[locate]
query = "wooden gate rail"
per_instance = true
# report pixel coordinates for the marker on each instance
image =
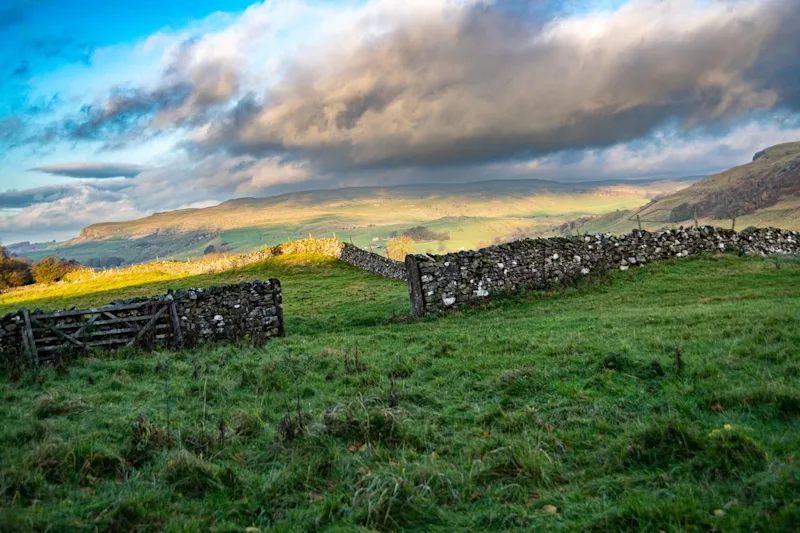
(47, 334)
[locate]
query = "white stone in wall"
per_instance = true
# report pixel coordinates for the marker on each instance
(426, 278)
(624, 267)
(585, 271)
(449, 301)
(500, 265)
(555, 256)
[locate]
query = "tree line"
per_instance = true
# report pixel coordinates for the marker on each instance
(19, 271)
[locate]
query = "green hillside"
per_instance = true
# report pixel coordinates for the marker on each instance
(627, 405)
(471, 214)
(764, 192)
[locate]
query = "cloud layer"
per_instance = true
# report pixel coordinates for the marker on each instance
(471, 85)
(92, 170)
(465, 82)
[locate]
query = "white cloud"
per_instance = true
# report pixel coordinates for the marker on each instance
(66, 216)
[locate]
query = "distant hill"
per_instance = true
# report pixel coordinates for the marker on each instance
(764, 192)
(470, 214)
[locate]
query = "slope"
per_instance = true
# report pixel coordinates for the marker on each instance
(764, 192)
(470, 213)
(551, 412)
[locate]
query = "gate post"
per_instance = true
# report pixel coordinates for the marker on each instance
(414, 287)
(29, 339)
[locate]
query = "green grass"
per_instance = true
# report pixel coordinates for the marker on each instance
(568, 399)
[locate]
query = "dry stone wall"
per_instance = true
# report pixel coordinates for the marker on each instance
(367, 261)
(229, 312)
(446, 282)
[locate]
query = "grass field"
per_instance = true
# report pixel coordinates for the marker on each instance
(662, 399)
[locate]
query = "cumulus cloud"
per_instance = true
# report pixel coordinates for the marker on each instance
(64, 214)
(92, 170)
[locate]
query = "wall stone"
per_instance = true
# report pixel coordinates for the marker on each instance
(228, 312)
(446, 282)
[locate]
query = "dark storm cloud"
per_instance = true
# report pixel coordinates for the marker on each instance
(92, 170)
(485, 86)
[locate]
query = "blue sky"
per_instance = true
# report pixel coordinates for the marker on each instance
(113, 110)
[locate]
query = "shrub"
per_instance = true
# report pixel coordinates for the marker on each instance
(52, 269)
(399, 247)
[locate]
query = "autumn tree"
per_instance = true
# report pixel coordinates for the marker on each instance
(51, 269)
(13, 272)
(399, 247)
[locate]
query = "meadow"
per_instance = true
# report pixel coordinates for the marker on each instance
(663, 398)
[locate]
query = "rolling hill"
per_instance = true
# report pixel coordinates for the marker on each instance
(471, 214)
(764, 192)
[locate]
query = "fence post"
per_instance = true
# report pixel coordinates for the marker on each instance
(639, 222)
(733, 225)
(414, 287)
(696, 225)
(30, 340)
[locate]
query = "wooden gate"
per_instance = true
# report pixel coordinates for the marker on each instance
(48, 336)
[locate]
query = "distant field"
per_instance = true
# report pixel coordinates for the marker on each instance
(471, 214)
(562, 411)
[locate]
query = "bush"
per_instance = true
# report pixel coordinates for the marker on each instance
(52, 269)
(13, 272)
(399, 247)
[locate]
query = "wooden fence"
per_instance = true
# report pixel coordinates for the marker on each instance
(47, 336)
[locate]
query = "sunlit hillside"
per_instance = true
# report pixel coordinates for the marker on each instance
(471, 215)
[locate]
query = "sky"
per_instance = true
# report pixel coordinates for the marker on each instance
(114, 110)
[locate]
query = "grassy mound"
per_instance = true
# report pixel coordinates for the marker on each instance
(661, 399)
